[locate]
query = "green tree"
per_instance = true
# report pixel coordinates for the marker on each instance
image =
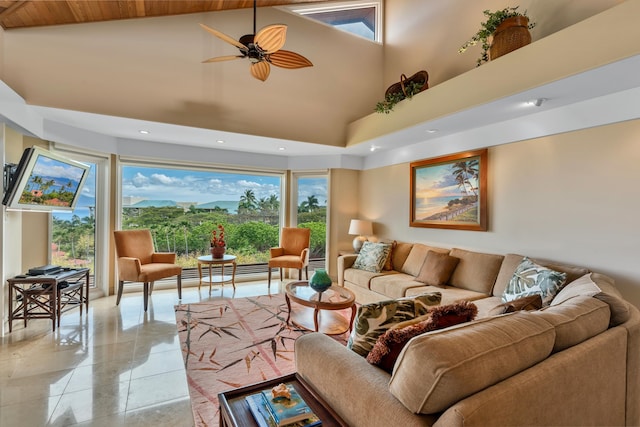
(248, 202)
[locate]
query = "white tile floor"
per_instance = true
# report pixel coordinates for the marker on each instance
(116, 366)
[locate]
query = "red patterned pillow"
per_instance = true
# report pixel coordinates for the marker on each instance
(389, 345)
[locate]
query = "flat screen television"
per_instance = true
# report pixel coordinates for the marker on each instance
(45, 181)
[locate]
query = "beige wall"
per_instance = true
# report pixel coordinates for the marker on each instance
(570, 198)
(430, 40)
(343, 206)
(151, 69)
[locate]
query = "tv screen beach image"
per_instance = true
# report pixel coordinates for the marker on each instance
(52, 182)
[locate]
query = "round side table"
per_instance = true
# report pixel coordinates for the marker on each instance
(220, 279)
(319, 312)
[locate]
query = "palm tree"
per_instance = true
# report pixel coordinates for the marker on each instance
(309, 205)
(464, 172)
(248, 202)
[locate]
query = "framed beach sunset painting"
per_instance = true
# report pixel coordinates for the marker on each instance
(450, 192)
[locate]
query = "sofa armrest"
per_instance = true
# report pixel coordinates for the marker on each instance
(344, 262)
(352, 386)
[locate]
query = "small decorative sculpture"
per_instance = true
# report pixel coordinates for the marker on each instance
(282, 391)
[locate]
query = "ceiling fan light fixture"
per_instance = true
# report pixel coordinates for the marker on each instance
(262, 48)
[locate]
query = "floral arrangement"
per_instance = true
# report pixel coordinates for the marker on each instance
(217, 237)
(494, 19)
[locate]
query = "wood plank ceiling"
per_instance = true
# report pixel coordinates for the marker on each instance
(32, 13)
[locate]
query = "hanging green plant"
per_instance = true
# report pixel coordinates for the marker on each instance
(487, 28)
(403, 90)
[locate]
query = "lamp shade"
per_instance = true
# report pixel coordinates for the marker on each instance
(359, 227)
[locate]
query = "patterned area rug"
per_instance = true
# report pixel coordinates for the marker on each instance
(231, 343)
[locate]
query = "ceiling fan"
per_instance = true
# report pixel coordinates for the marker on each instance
(262, 48)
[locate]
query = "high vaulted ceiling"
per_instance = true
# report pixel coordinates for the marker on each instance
(19, 14)
(98, 85)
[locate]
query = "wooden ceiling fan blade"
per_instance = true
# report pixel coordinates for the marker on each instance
(271, 38)
(222, 58)
(260, 70)
(288, 59)
(224, 37)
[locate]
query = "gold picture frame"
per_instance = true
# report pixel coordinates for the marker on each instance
(450, 192)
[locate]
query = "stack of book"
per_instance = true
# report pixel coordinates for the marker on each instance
(281, 412)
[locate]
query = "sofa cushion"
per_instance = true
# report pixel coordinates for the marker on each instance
(362, 278)
(372, 256)
(450, 294)
(388, 264)
(395, 285)
(437, 268)
(400, 255)
(416, 257)
(530, 279)
(373, 320)
(476, 271)
(528, 303)
(388, 346)
(439, 368)
(511, 262)
(601, 287)
(576, 320)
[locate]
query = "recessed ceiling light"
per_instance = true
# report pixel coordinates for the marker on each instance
(220, 141)
(432, 130)
(281, 148)
(144, 132)
(537, 102)
(373, 148)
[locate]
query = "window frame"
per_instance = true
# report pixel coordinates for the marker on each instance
(306, 9)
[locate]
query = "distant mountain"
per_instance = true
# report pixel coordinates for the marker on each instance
(153, 203)
(230, 205)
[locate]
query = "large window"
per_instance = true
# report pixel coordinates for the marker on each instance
(80, 238)
(311, 201)
(182, 206)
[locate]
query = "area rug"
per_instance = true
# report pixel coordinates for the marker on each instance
(230, 343)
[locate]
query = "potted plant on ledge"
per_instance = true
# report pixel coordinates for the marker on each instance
(405, 89)
(509, 30)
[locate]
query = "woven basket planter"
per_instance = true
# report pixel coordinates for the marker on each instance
(511, 34)
(421, 77)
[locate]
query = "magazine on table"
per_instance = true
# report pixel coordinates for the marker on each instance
(281, 412)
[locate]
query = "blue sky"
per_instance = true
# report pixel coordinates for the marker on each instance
(203, 186)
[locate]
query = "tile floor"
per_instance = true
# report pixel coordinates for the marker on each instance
(116, 366)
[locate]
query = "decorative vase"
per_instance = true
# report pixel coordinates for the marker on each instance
(217, 251)
(511, 34)
(320, 281)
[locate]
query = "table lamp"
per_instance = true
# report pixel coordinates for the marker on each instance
(361, 229)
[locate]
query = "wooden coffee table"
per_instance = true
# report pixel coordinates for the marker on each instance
(234, 410)
(319, 311)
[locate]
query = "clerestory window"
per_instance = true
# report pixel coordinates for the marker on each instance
(361, 18)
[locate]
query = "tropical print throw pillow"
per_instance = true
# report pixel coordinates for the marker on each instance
(531, 279)
(372, 256)
(373, 320)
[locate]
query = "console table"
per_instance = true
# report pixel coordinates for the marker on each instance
(47, 296)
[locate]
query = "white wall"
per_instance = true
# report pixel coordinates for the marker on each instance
(571, 198)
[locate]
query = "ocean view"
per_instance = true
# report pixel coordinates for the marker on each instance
(429, 206)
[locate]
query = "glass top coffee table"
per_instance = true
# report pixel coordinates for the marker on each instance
(320, 311)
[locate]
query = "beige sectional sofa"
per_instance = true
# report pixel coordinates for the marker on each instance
(574, 362)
